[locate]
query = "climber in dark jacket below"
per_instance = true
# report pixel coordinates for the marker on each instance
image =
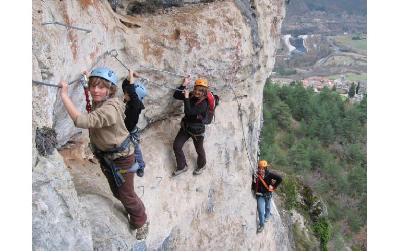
(192, 126)
(134, 93)
(262, 186)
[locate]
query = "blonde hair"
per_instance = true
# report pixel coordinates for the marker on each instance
(95, 81)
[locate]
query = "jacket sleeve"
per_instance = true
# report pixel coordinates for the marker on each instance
(276, 177)
(191, 110)
(253, 185)
(178, 94)
(102, 117)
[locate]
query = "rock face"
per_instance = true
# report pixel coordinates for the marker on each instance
(59, 220)
(233, 45)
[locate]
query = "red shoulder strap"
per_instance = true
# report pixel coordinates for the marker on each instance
(262, 181)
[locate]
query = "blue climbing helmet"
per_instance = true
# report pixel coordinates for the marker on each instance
(140, 91)
(105, 73)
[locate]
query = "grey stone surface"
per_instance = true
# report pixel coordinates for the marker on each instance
(58, 219)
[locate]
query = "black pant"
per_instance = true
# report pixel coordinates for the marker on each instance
(180, 140)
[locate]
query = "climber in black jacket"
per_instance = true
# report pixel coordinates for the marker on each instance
(192, 126)
(134, 93)
(264, 183)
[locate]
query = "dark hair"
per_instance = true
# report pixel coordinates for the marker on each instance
(95, 81)
(125, 86)
(202, 89)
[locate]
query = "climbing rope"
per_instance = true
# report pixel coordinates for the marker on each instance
(67, 26)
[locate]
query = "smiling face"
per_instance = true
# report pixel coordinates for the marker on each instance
(100, 89)
(99, 92)
(199, 91)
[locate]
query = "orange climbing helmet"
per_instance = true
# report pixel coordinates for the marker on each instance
(263, 164)
(201, 82)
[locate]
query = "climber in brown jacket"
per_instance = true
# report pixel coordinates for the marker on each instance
(110, 141)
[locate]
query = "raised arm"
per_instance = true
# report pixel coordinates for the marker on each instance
(68, 104)
(179, 94)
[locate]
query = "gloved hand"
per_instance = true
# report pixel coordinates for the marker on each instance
(271, 188)
(140, 172)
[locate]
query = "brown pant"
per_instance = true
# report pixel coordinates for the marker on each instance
(126, 193)
(180, 140)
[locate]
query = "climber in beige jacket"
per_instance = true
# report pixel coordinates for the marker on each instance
(110, 141)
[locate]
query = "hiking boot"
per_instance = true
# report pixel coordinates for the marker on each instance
(140, 172)
(260, 229)
(198, 171)
(141, 233)
(177, 172)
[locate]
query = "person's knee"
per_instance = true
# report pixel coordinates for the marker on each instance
(177, 146)
(126, 198)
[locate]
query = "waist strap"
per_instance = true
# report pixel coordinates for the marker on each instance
(185, 126)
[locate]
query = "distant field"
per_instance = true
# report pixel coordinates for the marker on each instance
(351, 76)
(347, 41)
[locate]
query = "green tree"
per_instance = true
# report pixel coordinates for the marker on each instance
(358, 87)
(289, 188)
(358, 180)
(323, 230)
(327, 134)
(351, 126)
(288, 140)
(356, 155)
(298, 101)
(352, 90)
(281, 114)
(298, 157)
(362, 108)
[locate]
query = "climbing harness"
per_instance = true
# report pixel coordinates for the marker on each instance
(109, 164)
(67, 26)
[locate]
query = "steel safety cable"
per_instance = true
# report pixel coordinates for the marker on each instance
(236, 63)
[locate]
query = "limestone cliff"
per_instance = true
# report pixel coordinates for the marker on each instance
(232, 44)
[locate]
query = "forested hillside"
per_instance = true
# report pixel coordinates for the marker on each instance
(319, 141)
